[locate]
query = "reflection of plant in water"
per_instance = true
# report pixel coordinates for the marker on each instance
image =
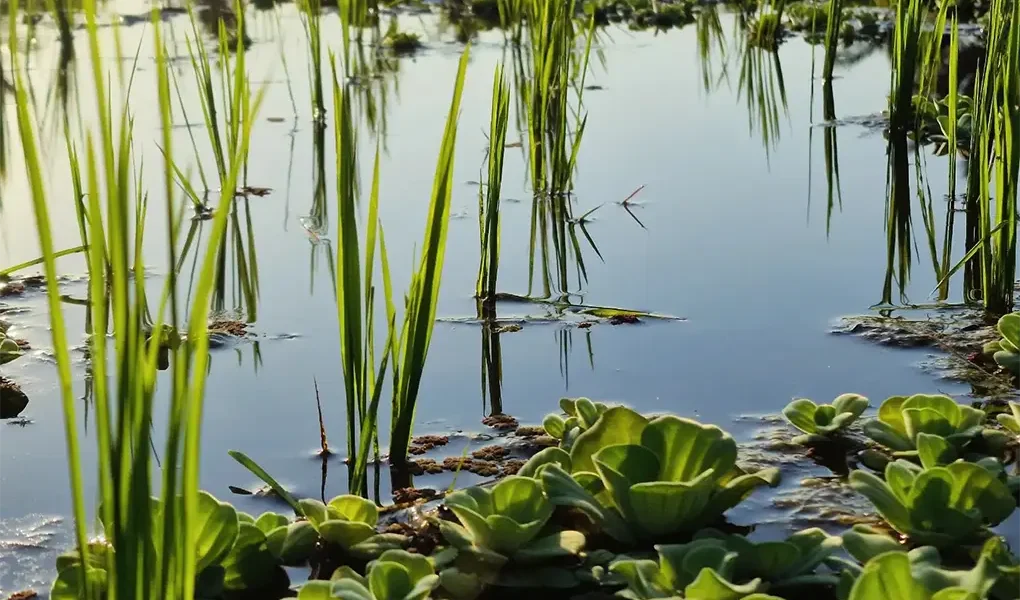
(317, 222)
(220, 17)
(401, 42)
(310, 16)
(761, 84)
(555, 246)
(545, 72)
(898, 223)
(492, 359)
(375, 73)
(766, 29)
(236, 276)
(834, 192)
(711, 43)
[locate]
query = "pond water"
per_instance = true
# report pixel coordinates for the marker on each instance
(734, 237)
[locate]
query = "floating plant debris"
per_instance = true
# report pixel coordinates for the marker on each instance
(484, 468)
(491, 453)
(254, 191)
(410, 495)
(423, 443)
(527, 431)
(422, 466)
(500, 421)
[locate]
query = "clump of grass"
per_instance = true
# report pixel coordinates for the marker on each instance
(410, 348)
(406, 346)
(355, 293)
(834, 22)
(555, 72)
(488, 196)
(993, 176)
(124, 375)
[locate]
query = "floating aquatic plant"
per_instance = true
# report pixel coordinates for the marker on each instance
(581, 413)
(821, 422)
(641, 479)
(924, 574)
(901, 419)
(782, 563)
(1006, 351)
(503, 523)
(1011, 421)
(349, 522)
(701, 569)
(232, 551)
(396, 575)
(938, 505)
(500, 540)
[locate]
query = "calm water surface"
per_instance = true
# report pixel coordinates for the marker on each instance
(736, 243)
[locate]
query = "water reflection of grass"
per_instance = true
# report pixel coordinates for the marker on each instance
(830, 133)
(763, 88)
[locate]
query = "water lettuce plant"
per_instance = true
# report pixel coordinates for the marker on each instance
(1006, 351)
(994, 575)
(820, 422)
(1011, 421)
(1007, 568)
(349, 521)
(901, 419)
(938, 506)
(889, 576)
(581, 413)
(702, 569)
(396, 575)
(780, 563)
(289, 542)
(640, 479)
(503, 523)
(232, 551)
